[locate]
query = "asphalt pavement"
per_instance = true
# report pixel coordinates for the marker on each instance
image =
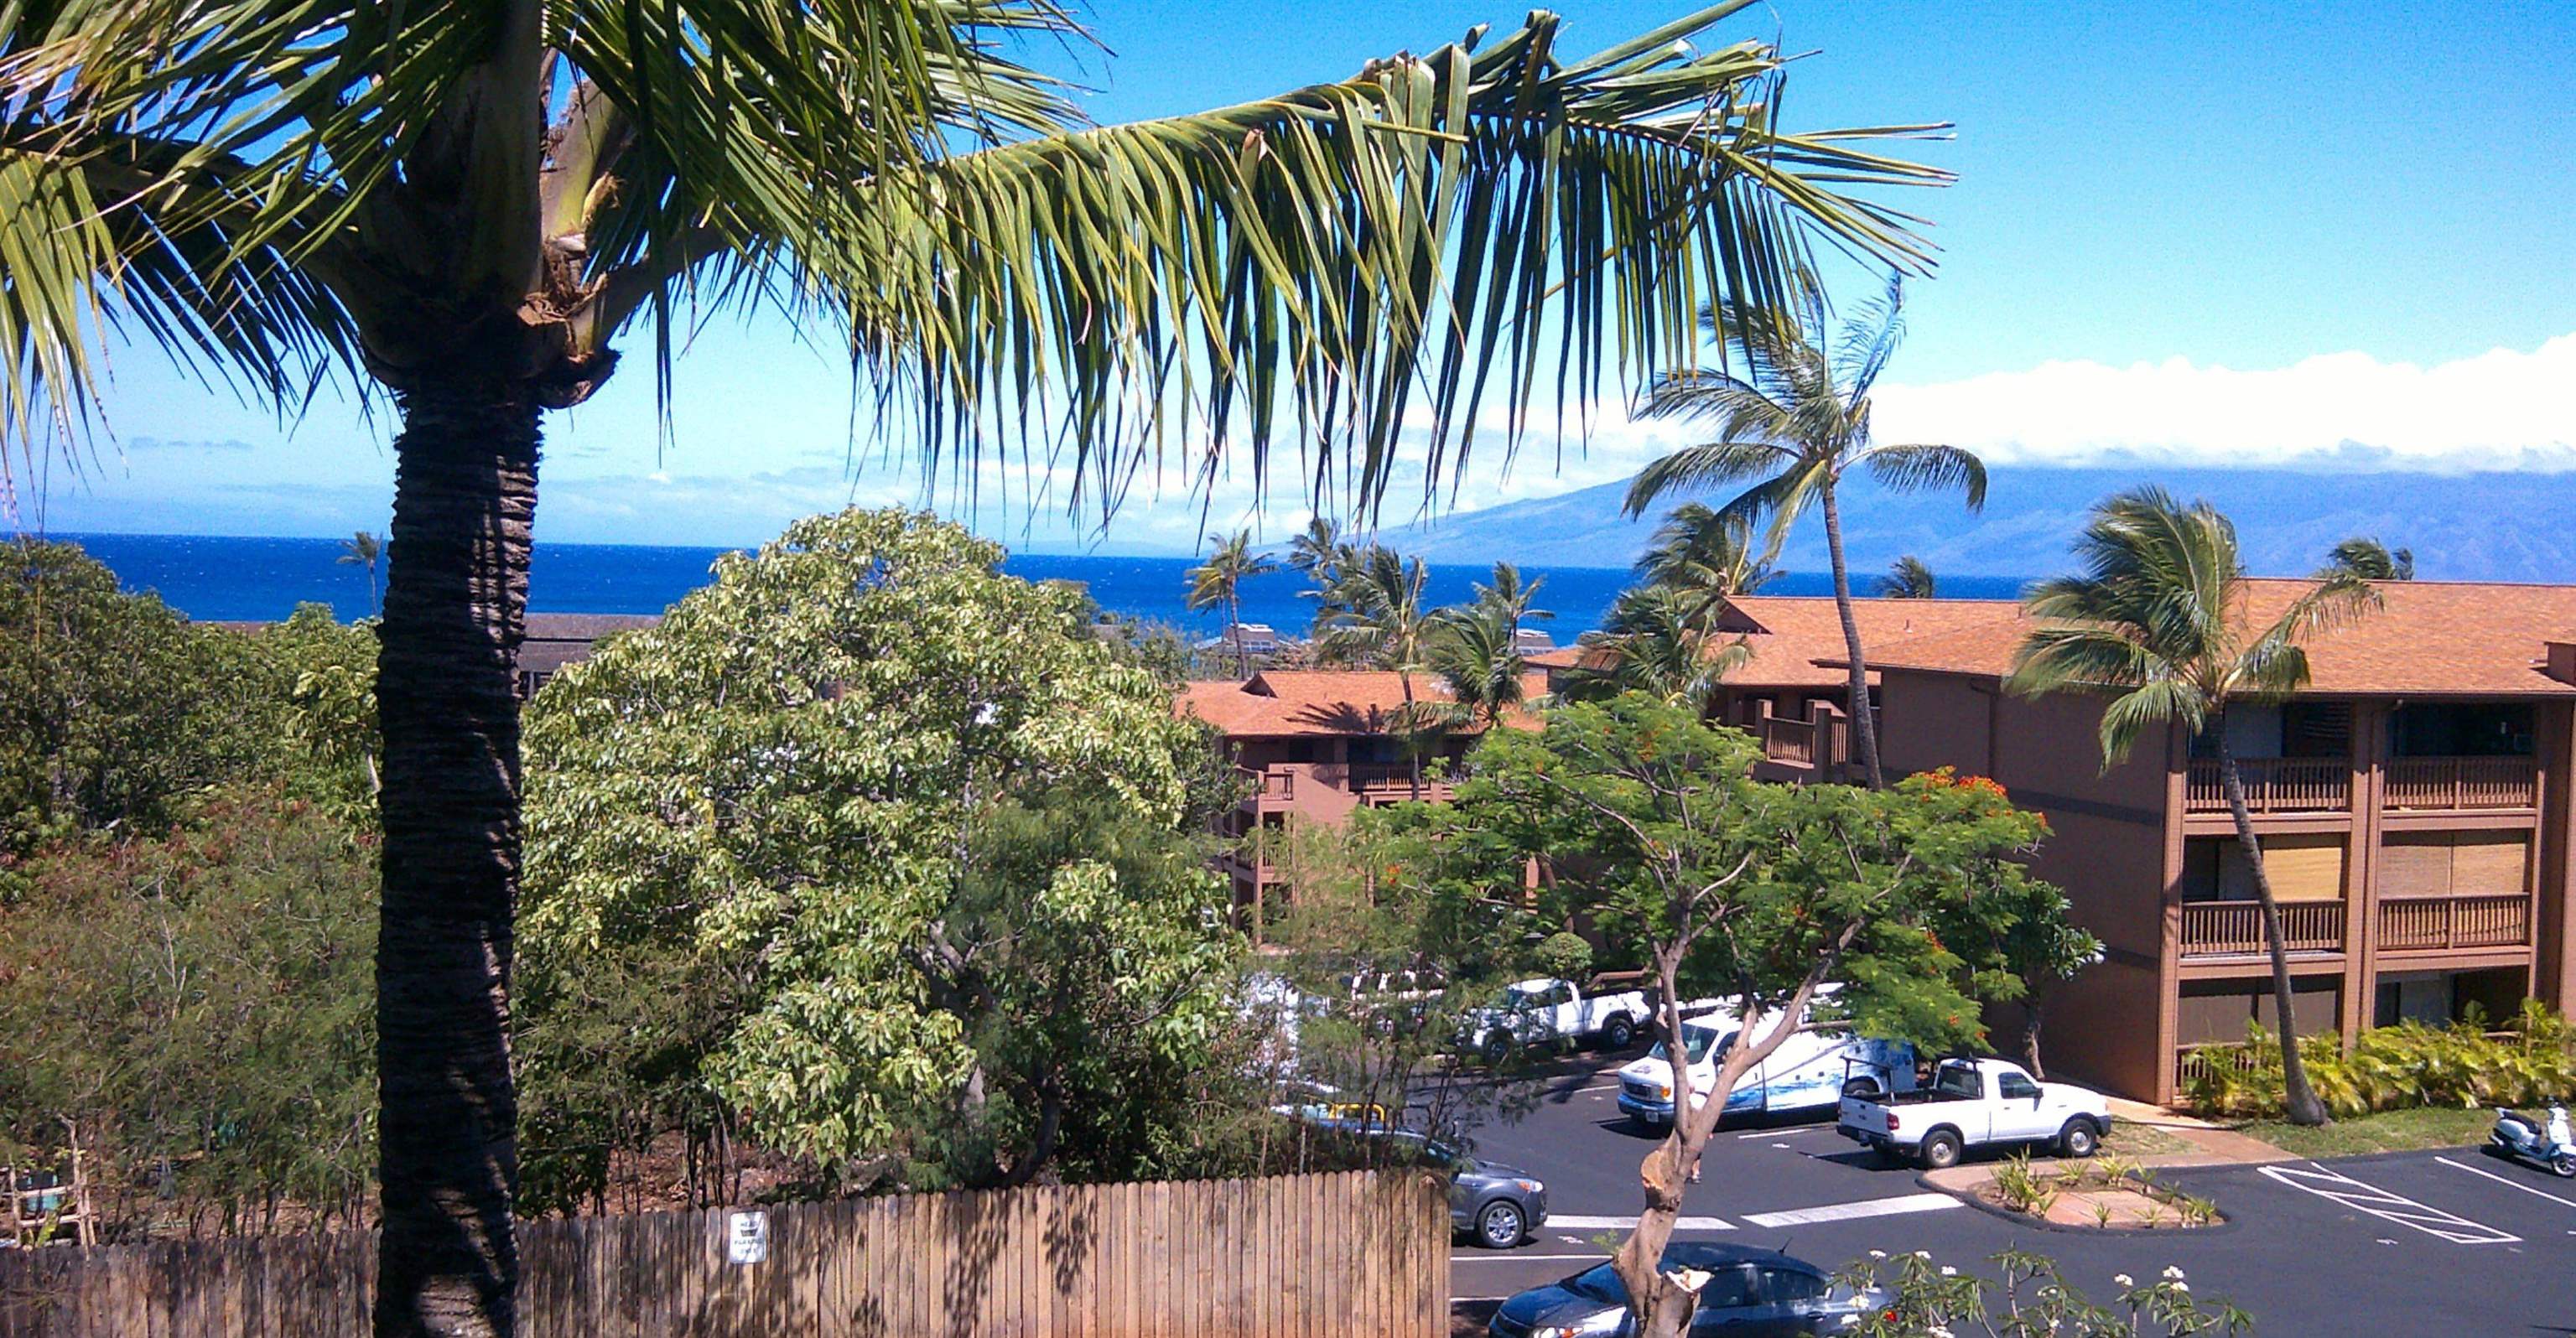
(2409, 1245)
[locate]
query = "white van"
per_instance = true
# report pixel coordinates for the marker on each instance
(1808, 1072)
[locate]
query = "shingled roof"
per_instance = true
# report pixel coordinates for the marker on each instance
(1797, 640)
(1298, 703)
(2429, 639)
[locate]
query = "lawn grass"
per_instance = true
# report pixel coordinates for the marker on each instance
(2387, 1131)
(2131, 1140)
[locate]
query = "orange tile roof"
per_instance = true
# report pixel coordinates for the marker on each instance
(1290, 703)
(1797, 640)
(2429, 638)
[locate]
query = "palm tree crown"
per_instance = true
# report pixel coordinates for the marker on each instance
(1907, 578)
(1218, 584)
(2163, 619)
(2370, 560)
(1791, 426)
(1700, 551)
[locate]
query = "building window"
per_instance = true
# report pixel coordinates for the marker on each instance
(2216, 1011)
(2305, 866)
(2463, 729)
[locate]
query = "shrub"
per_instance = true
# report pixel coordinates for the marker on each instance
(2031, 1296)
(1563, 955)
(2404, 1066)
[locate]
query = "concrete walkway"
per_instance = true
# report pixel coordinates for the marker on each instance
(2211, 1144)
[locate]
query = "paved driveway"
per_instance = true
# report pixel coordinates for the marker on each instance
(2407, 1245)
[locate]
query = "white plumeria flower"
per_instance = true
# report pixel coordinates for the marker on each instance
(2173, 1272)
(1878, 1254)
(2123, 1280)
(1940, 1331)
(2182, 1286)
(1949, 1272)
(1922, 1254)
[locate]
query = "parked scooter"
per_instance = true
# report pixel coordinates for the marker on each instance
(2518, 1135)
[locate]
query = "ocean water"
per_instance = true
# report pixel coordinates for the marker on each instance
(214, 578)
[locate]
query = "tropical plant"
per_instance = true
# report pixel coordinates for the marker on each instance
(1218, 583)
(1703, 552)
(1512, 597)
(2029, 1297)
(1379, 618)
(363, 550)
(1907, 578)
(467, 205)
(934, 839)
(2400, 1067)
(1661, 841)
(1475, 651)
(2163, 617)
(2370, 560)
(1797, 419)
(1657, 639)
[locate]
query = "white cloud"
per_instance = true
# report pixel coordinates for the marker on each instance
(2504, 409)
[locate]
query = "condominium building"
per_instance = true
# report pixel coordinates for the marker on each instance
(2413, 804)
(1315, 744)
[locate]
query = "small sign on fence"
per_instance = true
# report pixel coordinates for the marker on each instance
(747, 1238)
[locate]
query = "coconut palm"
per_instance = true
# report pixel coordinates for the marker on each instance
(1797, 419)
(1321, 554)
(465, 205)
(1475, 649)
(1511, 596)
(2162, 617)
(1907, 578)
(2370, 560)
(363, 550)
(1699, 551)
(1218, 583)
(1378, 617)
(1657, 639)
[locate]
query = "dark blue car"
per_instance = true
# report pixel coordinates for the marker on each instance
(1750, 1294)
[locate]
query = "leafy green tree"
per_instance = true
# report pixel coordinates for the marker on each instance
(1797, 421)
(1657, 835)
(1218, 584)
(1907, 578)
(932, 838)
(193, 1007)
(108, 713)
(467, 205)
(2162, 624)
(2368, 559)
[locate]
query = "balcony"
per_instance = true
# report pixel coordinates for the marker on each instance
(2462, 783)
(1331, 788)
(2273, 785)
(2440, 924)
(2235, 928)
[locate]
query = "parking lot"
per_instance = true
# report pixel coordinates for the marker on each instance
(2412, 1244)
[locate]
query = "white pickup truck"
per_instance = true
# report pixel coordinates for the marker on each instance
(1551, 1012)
(1973, 1103)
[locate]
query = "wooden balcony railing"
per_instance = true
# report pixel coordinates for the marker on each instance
(2193, 1060)
(2273, 785)
(2483, 920)
(1788, 740)
(2462, 783)
(2235, 928)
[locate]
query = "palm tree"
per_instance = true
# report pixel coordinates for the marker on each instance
(1475, 649)
(1658, 640)
(2162, 616)
(1218, 583)
(1510, 598)
(1699, 551)
(363, 550)
(464, 206)
(2370, 560)
(1321, 554)
(1797, 419)
(1907, 578)
(1379, 617)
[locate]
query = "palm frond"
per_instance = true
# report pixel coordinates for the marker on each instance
(1703, 466)
(1929, 469)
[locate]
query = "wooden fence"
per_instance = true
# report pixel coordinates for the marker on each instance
(1351, 1253)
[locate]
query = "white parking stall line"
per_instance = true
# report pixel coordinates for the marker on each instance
(2336, 1187)
(1581, 1223)
(1926, 1202)
(2509, 1184)
(1508, 1257)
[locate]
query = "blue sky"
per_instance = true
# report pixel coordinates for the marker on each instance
(2212, 232)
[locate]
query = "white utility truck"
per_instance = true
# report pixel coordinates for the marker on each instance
(1974, 1103)
(1546, 1012)
(1811, 1070)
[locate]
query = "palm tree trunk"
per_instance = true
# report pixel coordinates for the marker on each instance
(1864, 723)
(464, 494)
(1412, 733)
(2298, 1099)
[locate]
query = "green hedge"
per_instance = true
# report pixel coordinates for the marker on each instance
(2395, 1068)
